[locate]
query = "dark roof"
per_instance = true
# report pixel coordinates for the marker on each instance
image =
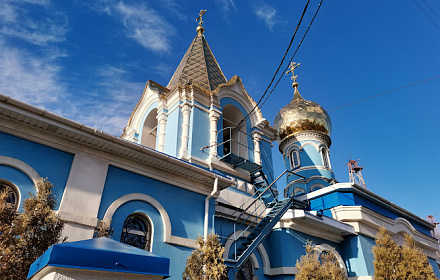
(102, 254)
(198, 66)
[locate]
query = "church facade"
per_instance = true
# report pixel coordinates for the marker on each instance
(196, 158)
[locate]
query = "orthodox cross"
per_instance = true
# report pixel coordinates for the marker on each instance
(202, 12)
(293, 66)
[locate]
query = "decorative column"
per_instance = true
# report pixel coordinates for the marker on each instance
(213, 119)
(162, 125)
(186, 112)
(257, 153)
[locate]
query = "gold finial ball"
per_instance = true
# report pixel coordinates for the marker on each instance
(200, 29)
(301, 115)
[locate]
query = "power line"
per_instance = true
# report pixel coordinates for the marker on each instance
(429, 6)
(299, 45)
(279, 66)
(426, 14)
(383, 93)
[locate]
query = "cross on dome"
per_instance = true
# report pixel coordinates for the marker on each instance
(293, 66)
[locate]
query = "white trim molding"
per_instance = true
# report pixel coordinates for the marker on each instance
(168, 238)
(22, 166)
(368, 222)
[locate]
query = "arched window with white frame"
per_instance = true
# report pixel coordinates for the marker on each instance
(136, 231)
(294, 159)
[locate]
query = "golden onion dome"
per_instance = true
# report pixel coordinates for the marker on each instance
(301, 115)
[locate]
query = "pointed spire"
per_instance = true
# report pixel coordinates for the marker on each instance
(198, 65)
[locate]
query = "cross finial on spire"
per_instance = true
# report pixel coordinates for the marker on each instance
(200, 29)
(202, 12)
(293, 66)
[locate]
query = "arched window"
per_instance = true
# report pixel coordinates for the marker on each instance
(235, 140)
(325, 158)
(316, 187)
(137, 232)
(13, 196)
(246, 271)
(149, 130)
(294, 159)
(298, 191)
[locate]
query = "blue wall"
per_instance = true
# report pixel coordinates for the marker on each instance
(173, 133)
(356, 251)
(185, 210)
(199, 134)
(186, 218)
(49, 163)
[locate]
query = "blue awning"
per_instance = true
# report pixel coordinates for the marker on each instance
(102, 254)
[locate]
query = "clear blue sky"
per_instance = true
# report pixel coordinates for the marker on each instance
(89, 62)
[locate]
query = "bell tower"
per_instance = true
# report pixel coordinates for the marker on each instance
(303, 133)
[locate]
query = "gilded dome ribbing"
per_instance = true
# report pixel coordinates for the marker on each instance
(301, 115)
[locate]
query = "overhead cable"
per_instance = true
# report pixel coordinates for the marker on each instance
(299, 45)
(383, 93)
(278, 69)
(426, 15)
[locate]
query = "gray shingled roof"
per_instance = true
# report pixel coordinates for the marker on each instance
(199, 66)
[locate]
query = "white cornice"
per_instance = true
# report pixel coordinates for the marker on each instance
(369, 195)
(319, 226)
(368, 222)
(32, 123)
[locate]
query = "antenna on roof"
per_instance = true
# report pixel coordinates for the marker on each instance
(355, 173)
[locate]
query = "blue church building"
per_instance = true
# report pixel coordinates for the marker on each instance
(196, 158)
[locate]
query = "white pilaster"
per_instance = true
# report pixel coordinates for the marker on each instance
(257, 152)
(162, 123)
(186, 111)
(82, 196)
(213, 119)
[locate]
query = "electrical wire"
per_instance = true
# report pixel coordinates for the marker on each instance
(432, 10)
(426, 15)
(278, 69)
(383, 93)
(299, 45)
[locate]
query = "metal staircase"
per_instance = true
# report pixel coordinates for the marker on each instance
(255, 219)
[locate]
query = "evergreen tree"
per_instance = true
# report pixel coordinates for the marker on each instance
(28, 234)
(206, 262)
(313, 266)
(386, 256)
(392, 261)
(414, 264)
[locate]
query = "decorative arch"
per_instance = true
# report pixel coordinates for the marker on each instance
(253, 257)
(148, 199)
(235, 141)
(235, 90)
(148, 129)
(22, 166)
(327, 248)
